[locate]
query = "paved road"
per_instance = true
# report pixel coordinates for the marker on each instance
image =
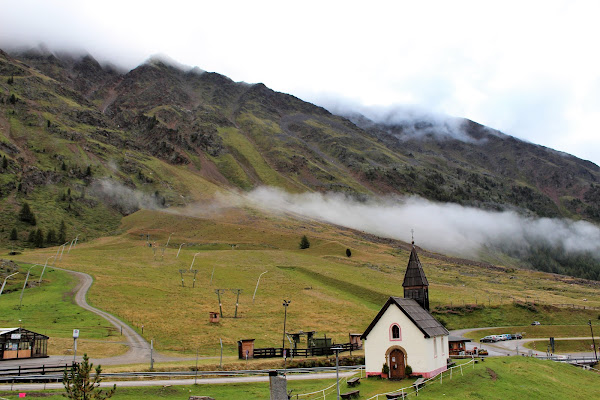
(201, 381)
(509, 347)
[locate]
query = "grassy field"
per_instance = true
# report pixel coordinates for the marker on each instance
(566, 346)
(496, 378)
(329, 292)
(48, 309)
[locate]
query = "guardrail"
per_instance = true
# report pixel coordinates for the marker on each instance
(176, 374)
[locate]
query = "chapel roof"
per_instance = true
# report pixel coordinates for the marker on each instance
(422, 319)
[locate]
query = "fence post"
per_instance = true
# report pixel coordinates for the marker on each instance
(451, 372)
(441, 376)
(461, 373)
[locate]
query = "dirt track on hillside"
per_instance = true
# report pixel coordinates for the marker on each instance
(139, 348)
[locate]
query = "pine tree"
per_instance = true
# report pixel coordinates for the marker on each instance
(4, 162)
(38, 238)
(62, 232)
(51, 237)
(26, 215)
(31, 237)
(79, 385)
(304, 243)
(14, 235)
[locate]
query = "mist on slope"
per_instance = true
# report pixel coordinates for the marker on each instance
(416, 122)
(446, 228)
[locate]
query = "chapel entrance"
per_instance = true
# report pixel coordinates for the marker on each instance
(396, 363)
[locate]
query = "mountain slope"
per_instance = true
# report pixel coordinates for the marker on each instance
(92, 138)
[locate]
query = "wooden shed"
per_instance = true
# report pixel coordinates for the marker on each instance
(22, 343)
(245, 348)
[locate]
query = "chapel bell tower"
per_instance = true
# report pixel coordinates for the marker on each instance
(415, 283)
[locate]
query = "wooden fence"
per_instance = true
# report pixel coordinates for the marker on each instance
(274, 352)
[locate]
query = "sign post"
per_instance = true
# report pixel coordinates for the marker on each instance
(75, 336)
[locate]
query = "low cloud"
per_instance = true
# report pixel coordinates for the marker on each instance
(416, 123)
(123, 198)
(445, 228)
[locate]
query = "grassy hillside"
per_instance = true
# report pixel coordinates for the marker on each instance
(330, 293)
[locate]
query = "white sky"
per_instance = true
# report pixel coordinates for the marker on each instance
(528, 68)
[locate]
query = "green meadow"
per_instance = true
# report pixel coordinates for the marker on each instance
(229, 248)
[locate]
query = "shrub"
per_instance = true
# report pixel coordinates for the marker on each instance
(408, 370)
(348, 253)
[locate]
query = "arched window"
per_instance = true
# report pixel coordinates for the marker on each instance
(395, 333)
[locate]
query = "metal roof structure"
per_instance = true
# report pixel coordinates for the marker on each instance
(423, 320)
(415, 276)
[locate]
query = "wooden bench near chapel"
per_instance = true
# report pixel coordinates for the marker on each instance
(353, 382)
(350, 395)
(419, 383)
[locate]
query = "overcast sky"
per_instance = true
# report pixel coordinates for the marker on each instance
(528, 68)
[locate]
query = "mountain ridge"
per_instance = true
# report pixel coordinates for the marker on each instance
(246, 135)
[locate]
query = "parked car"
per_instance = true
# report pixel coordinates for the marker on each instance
(535, 323)
(517, 336)
(506, 336)
(490, 338)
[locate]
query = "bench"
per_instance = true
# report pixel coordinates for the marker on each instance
(350, 395)
(419, 383)
(353, 382)
(396, 395)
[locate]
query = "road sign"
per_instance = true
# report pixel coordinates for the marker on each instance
(75, 333)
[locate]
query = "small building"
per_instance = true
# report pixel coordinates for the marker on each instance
(355, 341)
(213, 317)
(22, 343)
(405, 333)
(245, 349)
(457, 345)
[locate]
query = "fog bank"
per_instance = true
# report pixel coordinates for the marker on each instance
(446, 228)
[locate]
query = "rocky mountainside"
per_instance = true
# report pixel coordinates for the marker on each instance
(69, 125)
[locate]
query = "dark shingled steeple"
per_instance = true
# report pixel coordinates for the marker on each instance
(415, 283)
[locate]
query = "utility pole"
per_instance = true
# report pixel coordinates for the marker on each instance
(237, 300)
(218, 292)
(286, 303)
(593, 341)
(337, 369)
(151, 354)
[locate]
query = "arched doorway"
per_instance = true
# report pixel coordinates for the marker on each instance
(397, 363)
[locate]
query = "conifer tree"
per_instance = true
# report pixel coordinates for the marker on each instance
(79, 385)
(51, 236)
(62, 232)
(304, 243)
(26, 215)
(14, 235)
(39, 238)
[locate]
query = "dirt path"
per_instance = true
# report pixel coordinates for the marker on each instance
(139, 348)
